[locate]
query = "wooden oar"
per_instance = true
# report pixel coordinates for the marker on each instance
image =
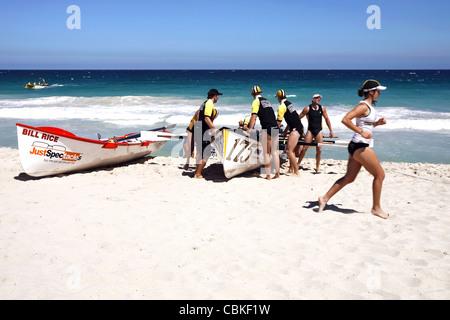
(301, 142)
(330, 143)
(161, 136)
(326, 143)
(137, 135)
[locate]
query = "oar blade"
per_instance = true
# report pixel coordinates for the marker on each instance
(160, 136)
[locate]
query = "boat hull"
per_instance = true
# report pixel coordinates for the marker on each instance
(36, 86)
(238, 153)
(48, 151)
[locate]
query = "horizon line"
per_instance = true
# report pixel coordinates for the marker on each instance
(225, 69)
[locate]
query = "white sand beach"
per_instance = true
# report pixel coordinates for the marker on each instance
(148, 230)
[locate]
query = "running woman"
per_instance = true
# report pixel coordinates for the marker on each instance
(360, 155)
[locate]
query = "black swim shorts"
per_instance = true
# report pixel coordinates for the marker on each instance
(299, 129)
(353, 146)
(315, 131)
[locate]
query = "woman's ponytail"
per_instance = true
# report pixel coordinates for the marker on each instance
(360, 92)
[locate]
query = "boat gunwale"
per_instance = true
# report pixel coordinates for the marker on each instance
(75, 137)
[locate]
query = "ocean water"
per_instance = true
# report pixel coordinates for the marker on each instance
(116, 102)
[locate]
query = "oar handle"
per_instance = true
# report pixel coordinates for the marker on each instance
(137, 135)
(325, 143)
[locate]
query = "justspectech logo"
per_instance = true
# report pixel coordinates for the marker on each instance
(54, 152)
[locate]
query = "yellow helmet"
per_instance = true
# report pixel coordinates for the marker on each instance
(215, 114)
(281, 94)
(256, 90)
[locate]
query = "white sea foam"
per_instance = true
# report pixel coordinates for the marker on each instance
(398, 118)
(142, 110)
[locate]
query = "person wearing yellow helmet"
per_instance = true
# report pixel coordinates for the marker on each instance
(243, 124)
(262, 109)
(287, 111)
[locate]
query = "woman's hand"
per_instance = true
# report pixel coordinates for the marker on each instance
(380, 122)
(366, 135)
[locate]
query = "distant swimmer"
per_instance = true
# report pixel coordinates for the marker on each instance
(314, 113)
(360, 155)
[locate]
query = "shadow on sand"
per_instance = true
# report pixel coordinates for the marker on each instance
(214, 172)
(25, 177)
(328, 207)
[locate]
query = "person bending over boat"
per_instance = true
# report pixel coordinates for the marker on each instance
(202, 135)
(243, 124)
(294, 126)
(360, 155)
(314, 113)
(262, 108)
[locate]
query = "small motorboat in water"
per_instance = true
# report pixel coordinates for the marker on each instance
(38, 85)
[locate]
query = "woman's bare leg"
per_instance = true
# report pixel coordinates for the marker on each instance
(308, 139)
(353, 168)
(369, 160)
(275, 155)
(292, 142)
(318, 139)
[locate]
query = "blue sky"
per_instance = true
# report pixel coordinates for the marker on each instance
(197, 34)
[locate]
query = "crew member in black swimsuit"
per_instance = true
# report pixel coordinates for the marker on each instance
(314, 112)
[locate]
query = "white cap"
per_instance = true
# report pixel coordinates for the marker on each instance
(316, 96)
(370, 85)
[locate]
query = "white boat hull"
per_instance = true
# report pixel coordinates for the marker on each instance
(48, 151)
(237, 152)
